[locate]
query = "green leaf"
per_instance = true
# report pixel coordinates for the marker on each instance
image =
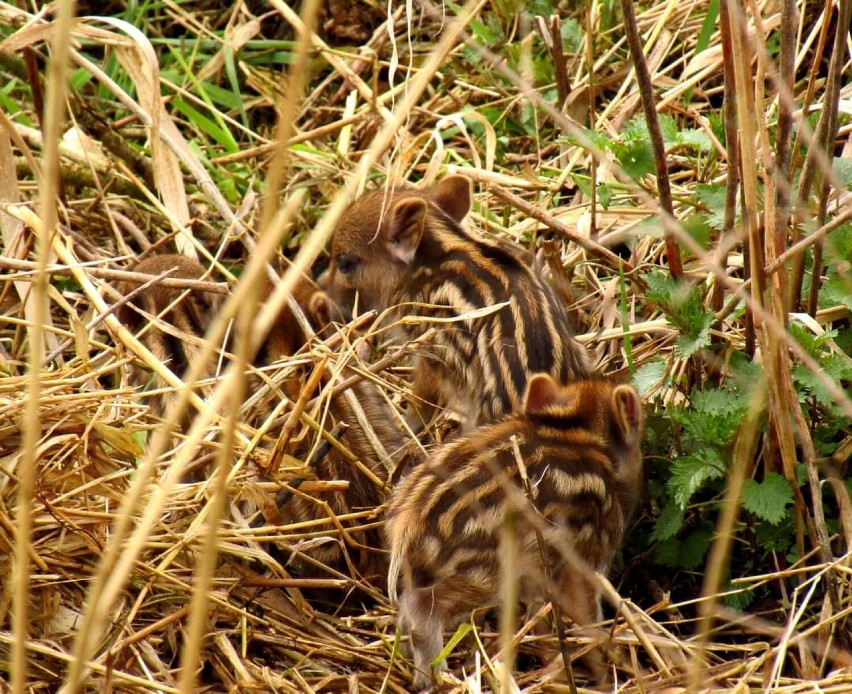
(838, 367)
(668, 127)
(697, 227)
(222, 136)
(661, 287)
(715, 415)
(482, 32)
(598, 139)
(668, 524)
(463, 630)
(604, 195)
(572, 36)
(704, 36)
(668, 553)
(650, 377)
(683, 306)
(738, 599)
(686, 554)
(691, 472)
(694, 139)
(688, 345)
(711, 199)
(842, 167)
(805, 338)
(635, 130)
(720, 402)
(694, 547)
(838, 245)
(768, 499)
(745, 373)
(636, 158)
(708, 27)
(836, 291)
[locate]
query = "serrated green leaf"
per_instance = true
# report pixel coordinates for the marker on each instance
(572, 35)
(650, 377)
(668, 524)
(843, 170)
(838, 245)
(649, 227)
(694, 548)
(667, 553)
(688, 345)
(668, 127)
(661, 286)
(697, 227)
(711, 200)
(746, 373)
(712, 196)
(598, 139)
(635, 130)
(737, 599)
(836, 366)
(636, 158)
(715, 415)
(836, 291)
(768, 499)
(691, 472)
(719, 401)
(694, 139)
(472, 56)
(805, 338)
(682, 303)
(687, 553)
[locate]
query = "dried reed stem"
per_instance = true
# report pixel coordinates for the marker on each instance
(54, 117)
(646, 91)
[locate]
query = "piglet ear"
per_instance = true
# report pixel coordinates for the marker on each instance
(405, 228)
(627, 413)
(454, 195)
(542, 393)
(319, 309)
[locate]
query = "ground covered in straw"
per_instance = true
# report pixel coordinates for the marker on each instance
(222, 130)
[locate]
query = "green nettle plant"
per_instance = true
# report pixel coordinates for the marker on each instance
(690, 440)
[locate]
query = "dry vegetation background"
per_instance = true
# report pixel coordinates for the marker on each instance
(231, 132)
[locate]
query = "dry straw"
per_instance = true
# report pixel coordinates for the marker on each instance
(122, 575)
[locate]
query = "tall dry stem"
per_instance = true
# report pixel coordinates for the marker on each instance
(54, 117)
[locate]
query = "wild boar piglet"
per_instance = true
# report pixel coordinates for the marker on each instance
(176, 336)
(407, 248)
(579, 449)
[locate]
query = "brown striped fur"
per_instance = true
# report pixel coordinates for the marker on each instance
(580, 447)
(184, 317)
(409, 248)
(178, 343)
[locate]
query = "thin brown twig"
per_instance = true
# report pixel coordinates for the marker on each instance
(593, 247)
(26, 268)
(826, 135)
(646, 91)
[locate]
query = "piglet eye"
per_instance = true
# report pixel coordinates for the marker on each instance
(346, 264)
